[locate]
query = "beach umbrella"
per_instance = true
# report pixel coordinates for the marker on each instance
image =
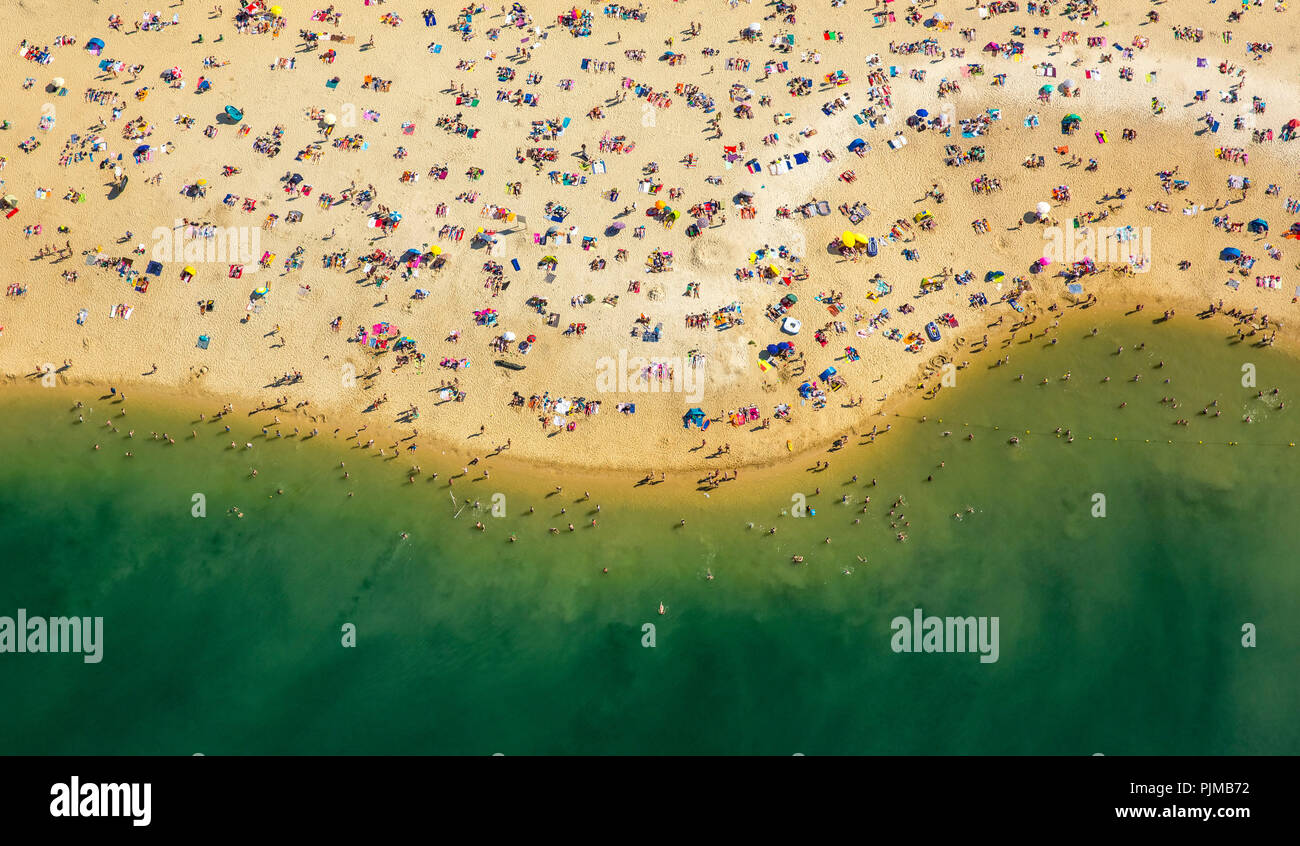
(922, 113)
(1259, 224)
(755, 27)
(331, 119)
(660, 204)
(855, 144)
(1074, 288)
(1044, 209)
(993, 275)
(95, 44)
(993, 45)
(1044, 261)
(1071, 118)
(277, 11)
(773, 349)
(618, 224)
(531, 339)
(190, 269)
(1293, 123)
(509, 336)
(201, 182)
(57, 82)
(233, 113)
(1047, 89)
(1069, 83)
(1229, 254)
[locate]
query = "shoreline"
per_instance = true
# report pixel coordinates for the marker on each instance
(911, 403)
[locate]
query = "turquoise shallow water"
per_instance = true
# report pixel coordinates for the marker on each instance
(1118, 634)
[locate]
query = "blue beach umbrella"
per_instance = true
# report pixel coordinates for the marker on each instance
(1229, 254)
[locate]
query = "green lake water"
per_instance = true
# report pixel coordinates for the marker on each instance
(1119, 634)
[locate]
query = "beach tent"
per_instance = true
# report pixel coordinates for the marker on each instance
(234, 114)
(154, 268)
(1259, 225)
(1229, 254)
(694, 416)
(856, 144)
(95, 45)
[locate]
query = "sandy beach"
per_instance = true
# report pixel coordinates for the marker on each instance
(334, 227)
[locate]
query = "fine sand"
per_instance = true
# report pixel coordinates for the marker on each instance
(246, 355)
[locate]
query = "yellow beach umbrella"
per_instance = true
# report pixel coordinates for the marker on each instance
(277, 11)
(201, 182)
(190, 270)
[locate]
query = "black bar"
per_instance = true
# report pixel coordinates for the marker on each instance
(304, 795)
